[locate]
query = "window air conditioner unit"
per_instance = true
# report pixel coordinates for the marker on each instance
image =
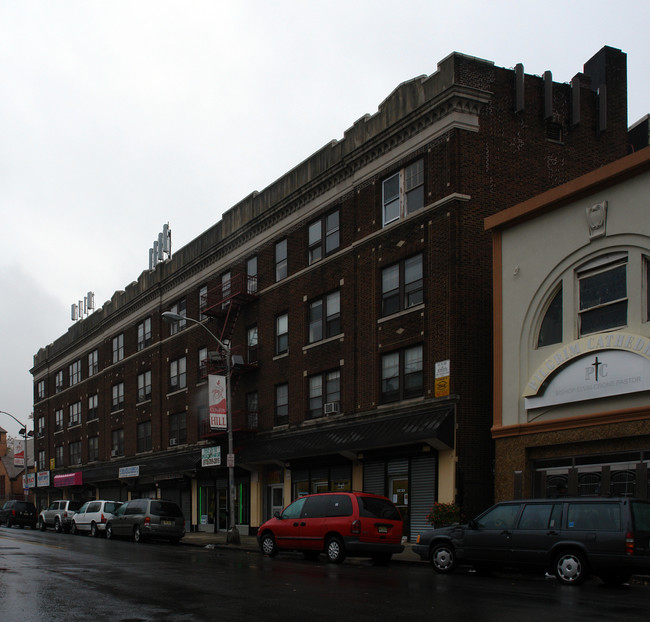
(172, 441)
(113, 453)
(331, 408)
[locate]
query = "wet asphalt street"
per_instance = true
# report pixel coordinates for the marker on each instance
(52, 577)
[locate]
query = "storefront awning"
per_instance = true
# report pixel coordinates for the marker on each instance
(435, 427)
(160, 465)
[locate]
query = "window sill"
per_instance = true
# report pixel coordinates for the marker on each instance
(392, 316)
(176, 392)
(309, 346)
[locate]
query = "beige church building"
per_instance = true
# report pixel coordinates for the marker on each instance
(572, 337)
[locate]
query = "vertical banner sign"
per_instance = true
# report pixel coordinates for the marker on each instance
(217, 402)
(442, 379)
(19, 454)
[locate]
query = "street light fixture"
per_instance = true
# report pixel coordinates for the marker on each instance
(23, 431)
(171, 318)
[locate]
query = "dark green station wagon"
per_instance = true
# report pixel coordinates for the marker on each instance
(568, 537)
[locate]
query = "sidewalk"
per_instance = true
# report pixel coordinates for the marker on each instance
(249, 543)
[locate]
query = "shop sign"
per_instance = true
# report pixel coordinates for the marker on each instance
(43, 479)
(218, 404)
(19, 453)
(29, 481)
(69, 479)
(130, 471)
(211, 456)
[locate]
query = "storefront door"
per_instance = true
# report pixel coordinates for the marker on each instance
(275, 499)
(399, 494)
(213, 509)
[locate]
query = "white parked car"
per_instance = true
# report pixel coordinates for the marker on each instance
(92, 516)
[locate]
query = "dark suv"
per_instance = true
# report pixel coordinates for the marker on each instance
(21, 513)
(340, 524)
(571, 538)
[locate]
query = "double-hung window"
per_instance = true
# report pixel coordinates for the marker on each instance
(144, 436)
(281, 404)
(177, 374)
(118, 348)
(180, 308)
(117, 442)
(178, 429)
(117, 400)
(93, 407)
(402, 285)
(323, 236)
(58, 420)
(203, 363)
(144, 334)
(602, 287)
(40, 389)
(251, 275)
(282, 334)
(144, 386)
(401, 374)
(251, 344)
(325, 317)
(281, 260)
(75, 372)
(75, 452)
(75, 414)
(93, 448)
(58, 381)
(324, 393)
(93, 362)
(403, 192)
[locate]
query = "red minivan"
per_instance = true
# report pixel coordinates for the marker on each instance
(358, 524)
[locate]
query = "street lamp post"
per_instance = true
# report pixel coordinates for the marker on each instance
(23, 431)
(171, 318)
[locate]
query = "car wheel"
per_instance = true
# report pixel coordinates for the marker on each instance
(335, 550)
(268, 546)
(57, 525)
(137, 534)
(41, 524)
(443, 558)
(8, 523)
(94, 532)
(109, 531)
(570, 568)
(73, 529)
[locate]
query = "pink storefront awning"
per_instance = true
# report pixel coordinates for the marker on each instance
(69, 479)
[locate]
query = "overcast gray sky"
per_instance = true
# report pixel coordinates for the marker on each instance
(119, 116)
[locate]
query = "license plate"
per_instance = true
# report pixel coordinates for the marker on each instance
(166, 522)
(382, 529)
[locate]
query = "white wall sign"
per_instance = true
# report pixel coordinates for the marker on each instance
(600, 374)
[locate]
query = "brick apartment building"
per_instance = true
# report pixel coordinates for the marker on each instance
(355, 292)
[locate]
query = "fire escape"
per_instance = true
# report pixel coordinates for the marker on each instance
(224, 304)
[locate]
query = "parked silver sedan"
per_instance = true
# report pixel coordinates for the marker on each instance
(93, 516)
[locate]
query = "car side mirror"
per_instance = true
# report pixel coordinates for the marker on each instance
(472, 524)
(276, 514)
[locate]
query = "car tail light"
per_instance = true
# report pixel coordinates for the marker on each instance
(103, 519)
(629, 543)
(147, 521)
(356, 527)
(65, 514)
(13, 512)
